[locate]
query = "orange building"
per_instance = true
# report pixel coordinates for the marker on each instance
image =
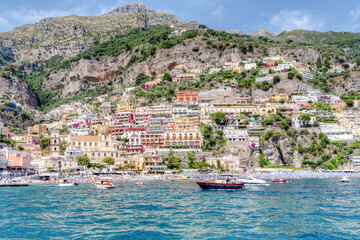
(188, 97)
(339, 106)
(271, 63)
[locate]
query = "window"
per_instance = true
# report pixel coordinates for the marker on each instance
(107, 144)
(90, 144)
(18, 162)
(84, 144)
(95, 144)
(98, 154)
(104, 154)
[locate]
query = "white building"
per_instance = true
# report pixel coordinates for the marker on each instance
(297, 123)
(281, 67)
(2, 128)
(355, 160)
(266, 59)
(249, 66)
(236, 135)
(335, 132)
(214, 70)
(79, 132)
(73, 152)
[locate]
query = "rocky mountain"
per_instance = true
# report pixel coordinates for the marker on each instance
(300, 35)
(233, 31)
(263, 33)
(74, 56)
(71, 35)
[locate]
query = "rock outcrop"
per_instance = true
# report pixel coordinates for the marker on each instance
(279, 150)
(71, 35)
(263, 33)
(18, 90)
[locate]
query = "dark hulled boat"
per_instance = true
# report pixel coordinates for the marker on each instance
(221, 184)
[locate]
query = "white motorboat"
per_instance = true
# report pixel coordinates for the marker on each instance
(345, 179)
(104, 183)
(66, 183)
(253, 181)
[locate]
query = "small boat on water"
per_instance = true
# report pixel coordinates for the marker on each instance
(253, 181)
(104, 183)
(279, 181)
(184, 178)
(66, 183)
(139, 183)
(345, 179)
(225, 183)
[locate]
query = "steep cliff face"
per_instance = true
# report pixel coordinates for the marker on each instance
(279, 150)
(341, 85)
(91, 71)
(18, 90)
(68, 36)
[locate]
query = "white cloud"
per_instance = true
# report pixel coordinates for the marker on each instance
(217, 12)
(295, 19)
(354, 14)
(32, 16)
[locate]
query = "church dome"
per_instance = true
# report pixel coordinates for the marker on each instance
(104, 130)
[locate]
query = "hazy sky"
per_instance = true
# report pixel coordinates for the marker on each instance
(245, 15)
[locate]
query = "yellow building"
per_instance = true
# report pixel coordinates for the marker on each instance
(37, 129)
(237, 69)
(233, 110)
(125, 105)
(269, 108)
(356, 103)
(192, 139)
(279, 97)
(186, 123)
(142, 161)
(96, 147)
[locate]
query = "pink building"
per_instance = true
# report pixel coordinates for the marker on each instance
(151, 84)
(17, 159)
(295, 106)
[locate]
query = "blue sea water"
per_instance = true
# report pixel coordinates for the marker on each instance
(301, 209)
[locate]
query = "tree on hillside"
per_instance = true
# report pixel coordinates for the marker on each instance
(109, 161)
(276, 79)
(83, 161)
(127, 166)
(349, 102)
(173, 162)
(219, 118)
(206, 131)
(318, 63)
(220, 133)
(45, 143)
(191, 157)
(291, 75)
(167, 77)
